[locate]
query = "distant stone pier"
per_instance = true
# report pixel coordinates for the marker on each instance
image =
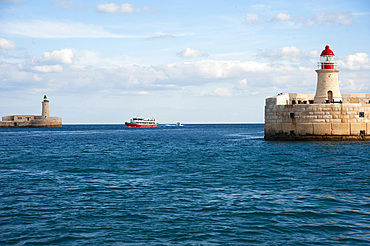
(326, 115)
(38, 121)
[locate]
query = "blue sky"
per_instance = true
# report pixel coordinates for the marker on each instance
(189, 61)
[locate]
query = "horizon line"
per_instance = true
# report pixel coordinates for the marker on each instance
(189, 123)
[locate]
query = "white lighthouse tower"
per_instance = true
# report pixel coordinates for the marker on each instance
(327, 90)
(45, 108)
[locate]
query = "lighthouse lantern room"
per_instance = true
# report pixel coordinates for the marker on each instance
(327, 58)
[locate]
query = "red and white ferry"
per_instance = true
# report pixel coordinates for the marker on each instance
(142, 122)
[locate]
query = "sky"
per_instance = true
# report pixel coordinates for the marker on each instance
(206, 61)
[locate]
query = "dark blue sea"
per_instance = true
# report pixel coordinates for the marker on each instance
(190, 185)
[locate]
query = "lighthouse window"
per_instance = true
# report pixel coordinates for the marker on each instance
(361, 114)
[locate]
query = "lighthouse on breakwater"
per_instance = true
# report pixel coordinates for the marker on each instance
(326, 115)
(38, 121)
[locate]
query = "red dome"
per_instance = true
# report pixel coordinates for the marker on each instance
(327, 51)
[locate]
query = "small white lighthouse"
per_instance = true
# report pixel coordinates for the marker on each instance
(45, 108)
(327, 90)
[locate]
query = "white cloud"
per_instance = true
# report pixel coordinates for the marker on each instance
(191, 53)
(83, 71)
(251, 18)
(350, 85)
(88, 57)
(242, 84)
(282, 17)
(220, 92)
(66, 4)
(55, 61)
(201, 71)
(47, 68)
(289, 51)
(321, 19)
(259, 6)
(7, 44)
(124, 8)
(292, 54)
(355, 62)
(284, 53)
(64, 56)
(223, 92)
(141, 78)
(57, 29)
(314, 53)
(330, 19)
(60, 29)
(162, 36)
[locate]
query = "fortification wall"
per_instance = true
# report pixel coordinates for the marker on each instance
(6, 124)
(285, 118)
(50, 122)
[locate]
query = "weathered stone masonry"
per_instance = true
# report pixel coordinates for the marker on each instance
(349, 120)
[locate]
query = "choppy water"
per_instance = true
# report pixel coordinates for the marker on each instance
(191, 185)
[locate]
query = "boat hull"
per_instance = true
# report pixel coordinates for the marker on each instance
(140, 125)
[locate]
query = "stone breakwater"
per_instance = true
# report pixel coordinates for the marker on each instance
(37, 122)
(291, 116)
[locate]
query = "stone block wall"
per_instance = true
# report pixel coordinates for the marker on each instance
(50, 122)
(283, 119)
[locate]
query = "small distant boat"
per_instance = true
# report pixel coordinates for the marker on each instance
(177, 124)
(142, 122)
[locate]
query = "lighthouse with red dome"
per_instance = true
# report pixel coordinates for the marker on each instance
(327, 58)
(326, 115)
(327, 90)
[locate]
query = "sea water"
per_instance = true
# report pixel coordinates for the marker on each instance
(190, 185)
